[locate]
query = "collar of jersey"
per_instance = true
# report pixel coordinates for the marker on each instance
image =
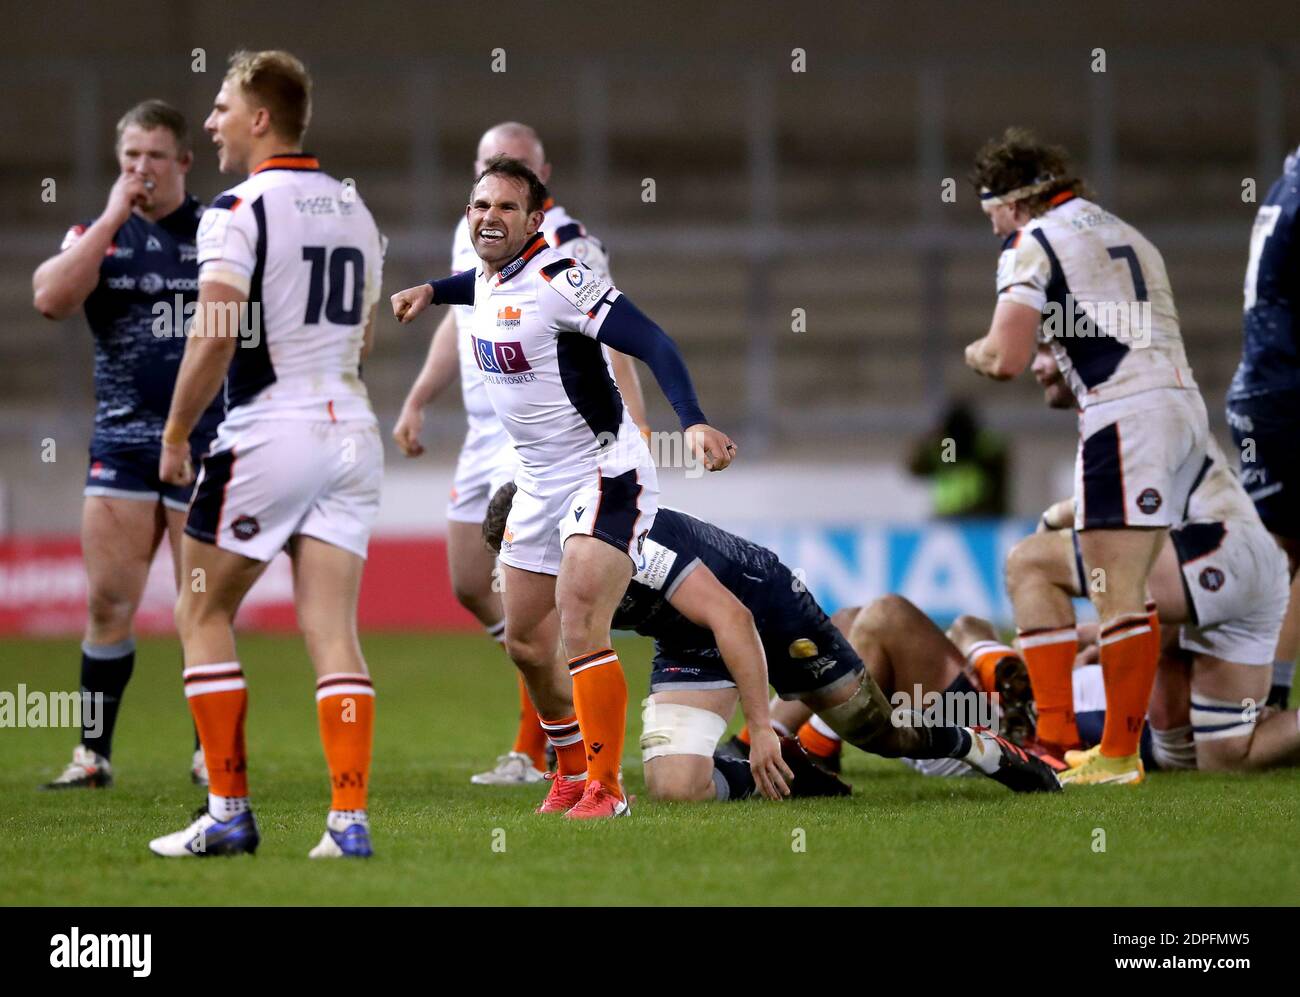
(181, 216)
(531, 248)
(1061, 198)
(288, 161)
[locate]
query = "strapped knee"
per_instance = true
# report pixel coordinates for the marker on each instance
(674, 729)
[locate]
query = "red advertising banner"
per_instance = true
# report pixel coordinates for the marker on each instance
(405, 587)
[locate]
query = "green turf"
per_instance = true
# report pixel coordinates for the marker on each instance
(446, 709)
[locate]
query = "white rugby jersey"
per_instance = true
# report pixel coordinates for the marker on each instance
(1108, 309)
(532, 336)
(562, 232)
(307, 250)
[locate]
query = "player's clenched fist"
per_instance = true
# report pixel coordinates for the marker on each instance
(712, 448)
(409, 303)
(407, 431)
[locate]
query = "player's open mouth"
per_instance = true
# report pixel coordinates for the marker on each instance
(490, 235)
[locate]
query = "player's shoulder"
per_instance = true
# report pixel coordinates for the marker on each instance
(573, 280)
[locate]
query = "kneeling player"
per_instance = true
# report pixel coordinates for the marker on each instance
(723, 611)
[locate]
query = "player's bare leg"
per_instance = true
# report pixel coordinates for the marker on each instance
(593, 577)
(175, 525)
(1121, 560)
(1041, 577)
(860, 713)
(118, 539)
(216, 583)
(533, 643)
(1233, 732)
(472, 567)
(326, 586)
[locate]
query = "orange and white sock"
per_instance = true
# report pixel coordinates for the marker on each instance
(600, 700)
(818, 739)
(1130, 654)
(984, 657)
(218, 699)
(1049, 656)
(345, 708)
(570, 753)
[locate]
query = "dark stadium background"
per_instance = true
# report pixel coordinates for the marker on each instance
(775, 190)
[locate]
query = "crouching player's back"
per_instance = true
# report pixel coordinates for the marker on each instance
(297, 463)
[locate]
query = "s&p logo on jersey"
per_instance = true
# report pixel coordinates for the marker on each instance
(500, 358)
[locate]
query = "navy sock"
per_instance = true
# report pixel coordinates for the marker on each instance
(732, 778)
(105, 671)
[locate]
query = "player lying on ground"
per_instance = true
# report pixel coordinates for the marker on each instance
(1097, 290)
(588, 488)
(138, 254)
(727, 617)
(295, 255)
(487, 457)
(1220, 578)
(918, 668)
(902, 646)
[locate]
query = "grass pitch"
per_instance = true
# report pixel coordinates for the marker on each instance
(446, 709)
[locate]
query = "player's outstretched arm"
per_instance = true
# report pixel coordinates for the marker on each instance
(706, 602)
(437, 374)
(1008, 347)
(627, 329)
(213, 338)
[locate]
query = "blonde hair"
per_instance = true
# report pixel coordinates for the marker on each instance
(279, 82)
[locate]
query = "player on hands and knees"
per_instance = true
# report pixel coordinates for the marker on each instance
(1099, 292)
(1264, 397)
(487, 457)
(727, 616)
(290, 270)
(126, 266)
(587, 487)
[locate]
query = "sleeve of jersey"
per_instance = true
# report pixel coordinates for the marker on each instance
(227, 243)
(584, 249)
(665, 561)
(458, 289)
(586, 303)
(1023, 271)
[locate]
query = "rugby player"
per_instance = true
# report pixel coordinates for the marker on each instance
(1264, 397)
(129, 268)
(1101, 295)
(904, 652)
(1220, 579)
(487, 457)
(722, 611)
(588, 488)
(297, 462)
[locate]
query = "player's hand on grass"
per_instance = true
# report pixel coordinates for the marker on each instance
(127, 191)
(409, 303)
(714, 449)
(407, 431)
(771, 774)
(174, 464)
